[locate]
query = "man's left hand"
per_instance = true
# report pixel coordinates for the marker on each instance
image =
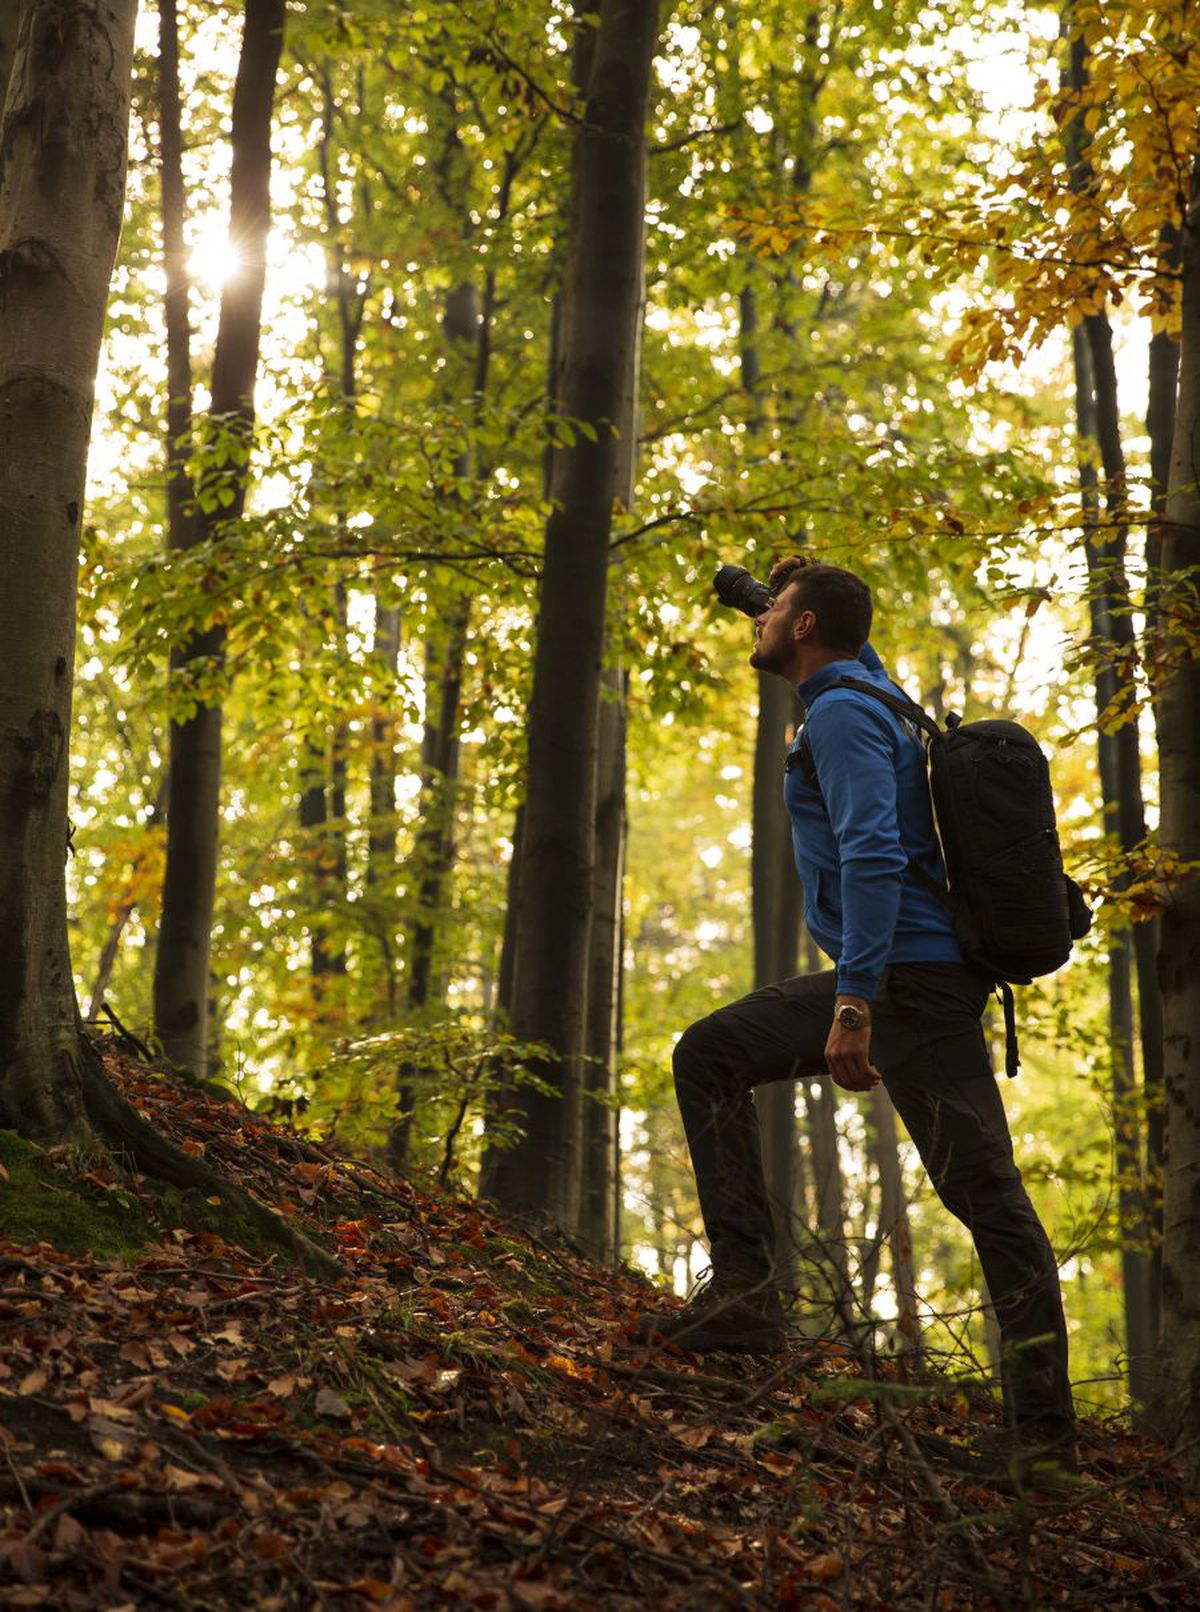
(848, 1058)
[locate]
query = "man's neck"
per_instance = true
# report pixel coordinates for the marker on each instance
(810, 659)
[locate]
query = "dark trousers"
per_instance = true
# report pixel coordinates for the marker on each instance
(927, 1042)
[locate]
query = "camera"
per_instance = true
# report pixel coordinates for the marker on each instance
(737, 587)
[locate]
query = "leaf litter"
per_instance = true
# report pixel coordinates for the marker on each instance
(467, 1420)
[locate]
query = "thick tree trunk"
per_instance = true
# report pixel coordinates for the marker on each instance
(600, 310)
(1179, 959)
(62, 188)
(1114, 766)
(600, 1197)
(181, 974)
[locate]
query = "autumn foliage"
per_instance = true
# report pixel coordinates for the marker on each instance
(464, 1420)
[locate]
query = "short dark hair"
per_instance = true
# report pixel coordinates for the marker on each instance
(840, 601)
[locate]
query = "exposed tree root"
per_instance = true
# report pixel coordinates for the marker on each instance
(118, 1123)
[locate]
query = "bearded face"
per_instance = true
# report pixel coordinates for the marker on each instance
(774, 635)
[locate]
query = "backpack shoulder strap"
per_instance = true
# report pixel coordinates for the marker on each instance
(893, 698)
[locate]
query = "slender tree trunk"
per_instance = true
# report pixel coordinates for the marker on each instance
(1160, 427)
(181, 974)
(894, 1222)
(600, 310)
(1179, 958)
(776, 900)
(1120, 763)
(600, 1195)
(1139, 1303)
(62, 187)
(381, 828)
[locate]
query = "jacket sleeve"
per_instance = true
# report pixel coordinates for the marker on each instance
(854, 749)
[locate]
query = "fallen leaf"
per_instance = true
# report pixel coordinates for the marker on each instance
(34, 1382)
(68, 1535)
(331, 1403)
(823, 1568)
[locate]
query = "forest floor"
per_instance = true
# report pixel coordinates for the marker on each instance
(466, 1420)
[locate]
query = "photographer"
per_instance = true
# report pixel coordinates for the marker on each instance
(901, 1006)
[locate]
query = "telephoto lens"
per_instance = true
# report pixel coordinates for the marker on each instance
(735, 586)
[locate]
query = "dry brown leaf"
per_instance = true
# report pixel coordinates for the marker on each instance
(823, 1568)
(331, 1403)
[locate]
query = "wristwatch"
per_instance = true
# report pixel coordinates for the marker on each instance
(851, 1017)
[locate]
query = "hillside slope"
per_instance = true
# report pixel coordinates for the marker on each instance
(465, 1421)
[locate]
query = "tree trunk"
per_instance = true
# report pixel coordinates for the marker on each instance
(601, 294)
(181, 974)
(381, 827)
(1160, 427)
(1139, 1304)
(776, 900)
(1120, 763)
(62, 188)
(600, 1197)
(894, 1223)
(10, 23)
(599, 1212)
(1179, 958)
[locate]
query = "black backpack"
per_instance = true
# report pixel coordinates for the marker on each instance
(1016, 913)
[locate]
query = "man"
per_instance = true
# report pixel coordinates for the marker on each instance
(901, 1006)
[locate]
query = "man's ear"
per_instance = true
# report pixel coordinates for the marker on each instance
(804, 624)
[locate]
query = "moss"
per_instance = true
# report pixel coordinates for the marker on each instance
(47, 1200)
(43, 1202)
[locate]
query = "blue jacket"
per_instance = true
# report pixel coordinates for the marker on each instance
(854, 836)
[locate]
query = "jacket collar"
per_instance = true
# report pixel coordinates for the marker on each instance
(831, 673)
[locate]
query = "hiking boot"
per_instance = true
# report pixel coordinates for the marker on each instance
(1033, 1456)
(722, 1313)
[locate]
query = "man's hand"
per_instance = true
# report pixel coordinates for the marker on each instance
(848, 1052)
(788, 564)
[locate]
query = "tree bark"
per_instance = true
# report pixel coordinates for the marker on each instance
(894, 1223)
(62, 189)
(599, 1213)
(1160, 427)
(600, 1198)
(1179, 958)
(10, 22)
(1139, 1300)
(600, 310)
(776, 901)
(1132, 952)
(181, 974)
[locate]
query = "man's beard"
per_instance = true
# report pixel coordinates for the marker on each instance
(762, 658)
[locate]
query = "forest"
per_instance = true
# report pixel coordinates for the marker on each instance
(381, 779)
